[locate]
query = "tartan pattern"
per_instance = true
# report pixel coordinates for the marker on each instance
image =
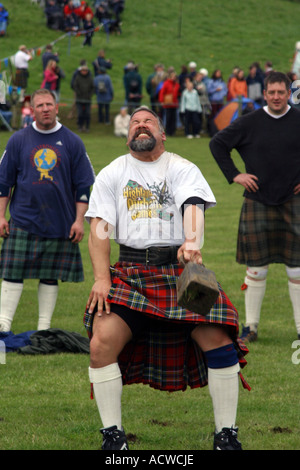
(164, 358)
(28, 256)
(269, 234)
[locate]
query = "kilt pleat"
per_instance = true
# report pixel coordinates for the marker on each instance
(165, 357)
(28, 256)
(269, 234)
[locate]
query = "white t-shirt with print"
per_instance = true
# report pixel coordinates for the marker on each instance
(142, 200)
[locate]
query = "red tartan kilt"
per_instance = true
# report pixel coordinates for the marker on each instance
(165, 359)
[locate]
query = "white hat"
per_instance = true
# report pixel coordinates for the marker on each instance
(204, 72)
(192, 65)
(298, 45)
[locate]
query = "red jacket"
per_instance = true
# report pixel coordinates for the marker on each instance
(170, 87)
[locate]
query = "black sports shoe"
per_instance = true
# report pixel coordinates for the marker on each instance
(248, 336)
(227, 440)
(114, 439)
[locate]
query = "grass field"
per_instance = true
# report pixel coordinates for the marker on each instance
(45, 402)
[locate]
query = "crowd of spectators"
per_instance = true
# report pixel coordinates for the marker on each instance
(78, 15)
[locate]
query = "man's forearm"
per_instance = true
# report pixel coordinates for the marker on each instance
(3, 205)
(99, 248)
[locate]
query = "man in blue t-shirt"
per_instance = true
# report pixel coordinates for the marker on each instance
(49, 171)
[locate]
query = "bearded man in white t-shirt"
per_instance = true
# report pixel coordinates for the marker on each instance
(154, 202)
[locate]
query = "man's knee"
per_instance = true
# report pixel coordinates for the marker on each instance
(110, 335)
(293, 274)
(257, 273)
(210, 336)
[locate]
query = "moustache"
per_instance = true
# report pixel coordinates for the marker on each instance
(142, 130)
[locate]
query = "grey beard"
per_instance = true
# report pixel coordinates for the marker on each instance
(142, 145)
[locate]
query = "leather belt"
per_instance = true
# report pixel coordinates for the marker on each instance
(154, 255)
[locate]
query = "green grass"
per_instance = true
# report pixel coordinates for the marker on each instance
(45, 401)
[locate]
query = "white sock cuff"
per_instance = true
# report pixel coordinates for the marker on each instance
(261, 283)
(104, 374)
(294, 285)
(226, 371)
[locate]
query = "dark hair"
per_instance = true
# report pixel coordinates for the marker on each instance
(277, 77)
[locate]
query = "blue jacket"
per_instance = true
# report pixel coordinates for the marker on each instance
(3, 14)
(214, 95)
(107, 95)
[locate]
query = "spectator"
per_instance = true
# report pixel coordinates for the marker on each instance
(105, 93)
(255, 85)
(27, 114)
(88, 26)
(55, 16)
(5, 114)
(22, 59)
(84, 89)
(192, 70)
(296, 60)
(3, 20)
(49, 54)
(101, 61)
(232, 75)
(268, 68)
(154, 80)
(83, 10)
(60, 74)
(50, 76)
(238, 85)
(133, 87)
(169, 97)
(121, 123)
(217, 90)
(190, 107)
(71, 22)
(201, 88)
(104, 16)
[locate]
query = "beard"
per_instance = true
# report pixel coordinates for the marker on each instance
(142, 145)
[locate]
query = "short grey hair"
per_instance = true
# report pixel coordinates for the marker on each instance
(145, 108)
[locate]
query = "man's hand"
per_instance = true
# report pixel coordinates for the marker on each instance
(99, 295)
(250, 182)
(4, 227)
(297, 189)
(76, 232)
(189, 252)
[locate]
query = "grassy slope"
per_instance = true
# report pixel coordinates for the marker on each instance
(44, 400)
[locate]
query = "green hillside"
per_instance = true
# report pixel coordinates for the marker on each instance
(45, 401)
(215, 34)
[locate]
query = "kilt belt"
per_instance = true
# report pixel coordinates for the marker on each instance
(153, 256)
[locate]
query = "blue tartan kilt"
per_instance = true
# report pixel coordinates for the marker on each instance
(269, 234)
(28, 256)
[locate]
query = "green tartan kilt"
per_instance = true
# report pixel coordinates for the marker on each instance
(269, 234)
(28, 256)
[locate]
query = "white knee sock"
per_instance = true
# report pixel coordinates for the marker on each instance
(254, 295)
(47, 296)
(294, 290)
(10, 296)
(224, 390)
(107, 385)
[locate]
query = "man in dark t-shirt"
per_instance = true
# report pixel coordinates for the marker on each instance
(269, 229)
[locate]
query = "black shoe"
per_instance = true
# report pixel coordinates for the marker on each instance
(114, 439)
(248, 336)
(227, 440)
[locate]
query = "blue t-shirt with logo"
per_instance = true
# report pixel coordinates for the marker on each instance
(45, 171)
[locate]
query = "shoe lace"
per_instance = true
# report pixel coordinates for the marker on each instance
(111, 436)
(230, 435)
